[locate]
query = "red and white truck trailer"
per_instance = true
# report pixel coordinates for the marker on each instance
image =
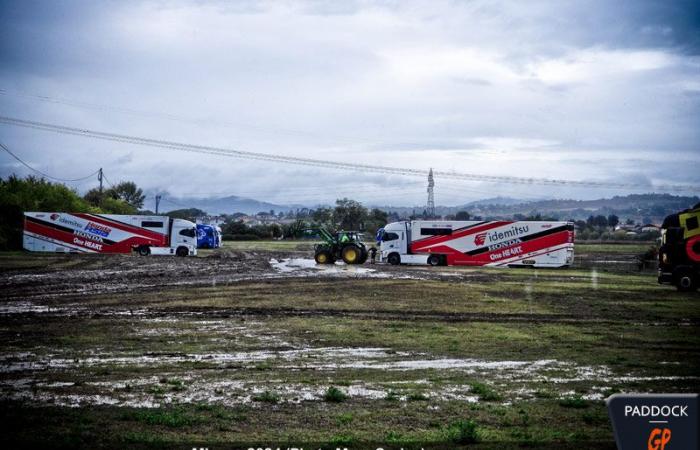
(472, 243)
(108, 233)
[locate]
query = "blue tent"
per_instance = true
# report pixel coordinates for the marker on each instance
(207, 236)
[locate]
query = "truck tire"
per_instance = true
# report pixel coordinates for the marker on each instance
(394, 259)
(685, 280)
(434, 260)
(144, 250)
(323, 257)
(182, 251)
(352, 254)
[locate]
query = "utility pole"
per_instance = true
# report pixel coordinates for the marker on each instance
(431, 197)
(158, 197)
(99, 177)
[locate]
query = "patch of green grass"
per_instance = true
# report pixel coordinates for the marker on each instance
(142, 437)
(267, 397)
(463, 432)
(173, 418)
(484, 392)
(157, 391)
(416, 397)
(392, 396)
(594, 417)
(342, 439)
(177, 385)
(344, 419)
(576, 402)
(334, 395)
(543, 393)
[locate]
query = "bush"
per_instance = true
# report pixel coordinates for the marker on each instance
(334, 395)
(463, 432)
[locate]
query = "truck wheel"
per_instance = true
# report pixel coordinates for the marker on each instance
(182, 251)
(685, 280)
(394, 259)
(144, 250)
(434, 260)
(323, 257)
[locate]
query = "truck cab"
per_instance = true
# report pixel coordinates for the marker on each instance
(183, 237)
(393, 245)
(679, 255)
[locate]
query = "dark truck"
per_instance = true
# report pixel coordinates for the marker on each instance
(679, 255)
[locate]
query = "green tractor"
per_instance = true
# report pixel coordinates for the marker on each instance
(345, 245)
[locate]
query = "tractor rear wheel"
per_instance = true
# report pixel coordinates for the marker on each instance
(144, 250)
(363, 256)
(352, 254)
(323, 257)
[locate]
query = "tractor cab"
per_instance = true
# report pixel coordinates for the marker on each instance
(348, 236)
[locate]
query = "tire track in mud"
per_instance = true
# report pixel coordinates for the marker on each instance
(362, 314)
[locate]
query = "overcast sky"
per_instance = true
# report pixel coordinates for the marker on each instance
(578, 90)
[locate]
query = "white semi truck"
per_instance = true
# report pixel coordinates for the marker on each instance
(474, 243)
(108, 233)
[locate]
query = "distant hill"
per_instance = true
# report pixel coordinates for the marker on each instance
(638, 207)
(226, 205)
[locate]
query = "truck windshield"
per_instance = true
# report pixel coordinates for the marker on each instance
(389, 236)
(189, 232)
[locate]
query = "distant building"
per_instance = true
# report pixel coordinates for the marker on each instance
(650, 227)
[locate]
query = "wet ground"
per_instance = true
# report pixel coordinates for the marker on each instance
(265, 330)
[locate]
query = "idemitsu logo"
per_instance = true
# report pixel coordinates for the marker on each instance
(96, 228)
(496, 236)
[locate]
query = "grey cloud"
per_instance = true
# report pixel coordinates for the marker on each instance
(450, 85)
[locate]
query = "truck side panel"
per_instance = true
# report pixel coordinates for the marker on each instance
(501, 243)
(84, 233)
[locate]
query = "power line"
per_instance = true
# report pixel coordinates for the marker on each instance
(42, 173)
(330, 164)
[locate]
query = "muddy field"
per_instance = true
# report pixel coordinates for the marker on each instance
(254, 343)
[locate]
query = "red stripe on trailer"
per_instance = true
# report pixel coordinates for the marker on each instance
(162, 240)
(501, 254)
(417, 246)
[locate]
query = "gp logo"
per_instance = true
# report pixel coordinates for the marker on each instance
(654, 421)
(658, 438)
